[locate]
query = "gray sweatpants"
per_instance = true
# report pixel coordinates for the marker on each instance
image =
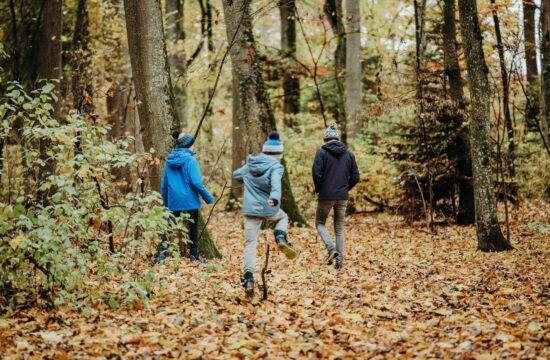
(252, 226)
(321, 215)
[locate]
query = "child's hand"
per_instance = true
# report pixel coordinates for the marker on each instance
(272, 202)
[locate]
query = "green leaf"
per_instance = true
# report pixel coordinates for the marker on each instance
(46, 89)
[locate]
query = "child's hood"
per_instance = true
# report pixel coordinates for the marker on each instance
(260, 164)
(178, 157)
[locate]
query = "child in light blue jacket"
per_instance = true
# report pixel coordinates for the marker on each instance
(262, 176)
(181, 187)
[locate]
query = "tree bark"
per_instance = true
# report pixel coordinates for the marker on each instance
(334, 12)
(81, 84)
(489, 234)
(49, 67)
(532, 110)
(505, 93)
(466, 206)
(176, 55)
(354, 83)
(545, 68)
(291, 82)
(254, 106)
(152, 83)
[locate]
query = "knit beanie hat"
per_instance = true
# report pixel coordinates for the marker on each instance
(332, 132)
(273, 145)
(183, 139)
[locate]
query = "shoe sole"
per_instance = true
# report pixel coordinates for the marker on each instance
(249, 293)
(289, 252)
(330, 260)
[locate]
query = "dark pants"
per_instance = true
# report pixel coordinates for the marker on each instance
(193, 232)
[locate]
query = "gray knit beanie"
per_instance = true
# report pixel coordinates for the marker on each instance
(332, 132)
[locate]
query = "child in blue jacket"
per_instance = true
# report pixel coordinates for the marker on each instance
(262, 176)
(180, 188)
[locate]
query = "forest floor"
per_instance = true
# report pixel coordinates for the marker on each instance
(403, 293)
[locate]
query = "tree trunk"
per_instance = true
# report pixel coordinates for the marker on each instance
(49, 67)
(354, 83)
(545, 68)
(151, 74)
(176, 55)
(489, 235)
(466, 206)
(254, 106)
(334, 13)
(291, 82)
(238, 140)
(81, 85)
(529, 9)
(505, 93)
(532, 110)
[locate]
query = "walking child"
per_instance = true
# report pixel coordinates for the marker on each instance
(181, 187)
(262, 176)
(335, 173)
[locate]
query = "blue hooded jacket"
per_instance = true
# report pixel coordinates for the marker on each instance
(261, 176)
(182, 182)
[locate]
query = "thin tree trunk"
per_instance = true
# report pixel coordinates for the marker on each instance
(81, 85)
(545, 68)
(176, 55)
(466, 206)
(333, 11)
(254, 103)
(529, 9)
(291, 82)
(505, 93)
(151, 74)
(489, 234)
(354, 83)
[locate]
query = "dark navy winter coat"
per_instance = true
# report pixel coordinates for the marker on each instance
(334, 171)
(182, 183)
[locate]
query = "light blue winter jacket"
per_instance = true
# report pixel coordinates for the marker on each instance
(261, 176)
(182, 182)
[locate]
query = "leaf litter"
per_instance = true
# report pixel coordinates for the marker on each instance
(402, 293)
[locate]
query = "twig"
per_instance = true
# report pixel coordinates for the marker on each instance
(264, 270)
(212, 210)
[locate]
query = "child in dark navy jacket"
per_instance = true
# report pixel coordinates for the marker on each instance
(335, 173)
(181, 187)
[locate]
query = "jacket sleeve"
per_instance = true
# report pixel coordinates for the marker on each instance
(164, 188)
(239, 173)
(354, 176)
(317, 170)
(196, 181)
(276, 183)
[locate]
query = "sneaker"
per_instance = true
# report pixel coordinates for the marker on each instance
(248, 283)
(284, 245)
(339, 263)
(331, 256)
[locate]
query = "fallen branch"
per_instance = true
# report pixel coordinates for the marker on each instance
(264, 270)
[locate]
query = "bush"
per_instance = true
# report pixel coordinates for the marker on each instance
(62, 216)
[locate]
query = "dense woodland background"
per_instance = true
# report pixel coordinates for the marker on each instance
(439, 101)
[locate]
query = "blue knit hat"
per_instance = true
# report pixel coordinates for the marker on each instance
(183, 139)
(273, 145)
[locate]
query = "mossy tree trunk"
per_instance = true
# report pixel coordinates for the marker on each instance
(254, 107)
(466, 206)
(489, 234)
(150, 70)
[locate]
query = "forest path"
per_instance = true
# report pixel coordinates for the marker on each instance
(402, 293)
